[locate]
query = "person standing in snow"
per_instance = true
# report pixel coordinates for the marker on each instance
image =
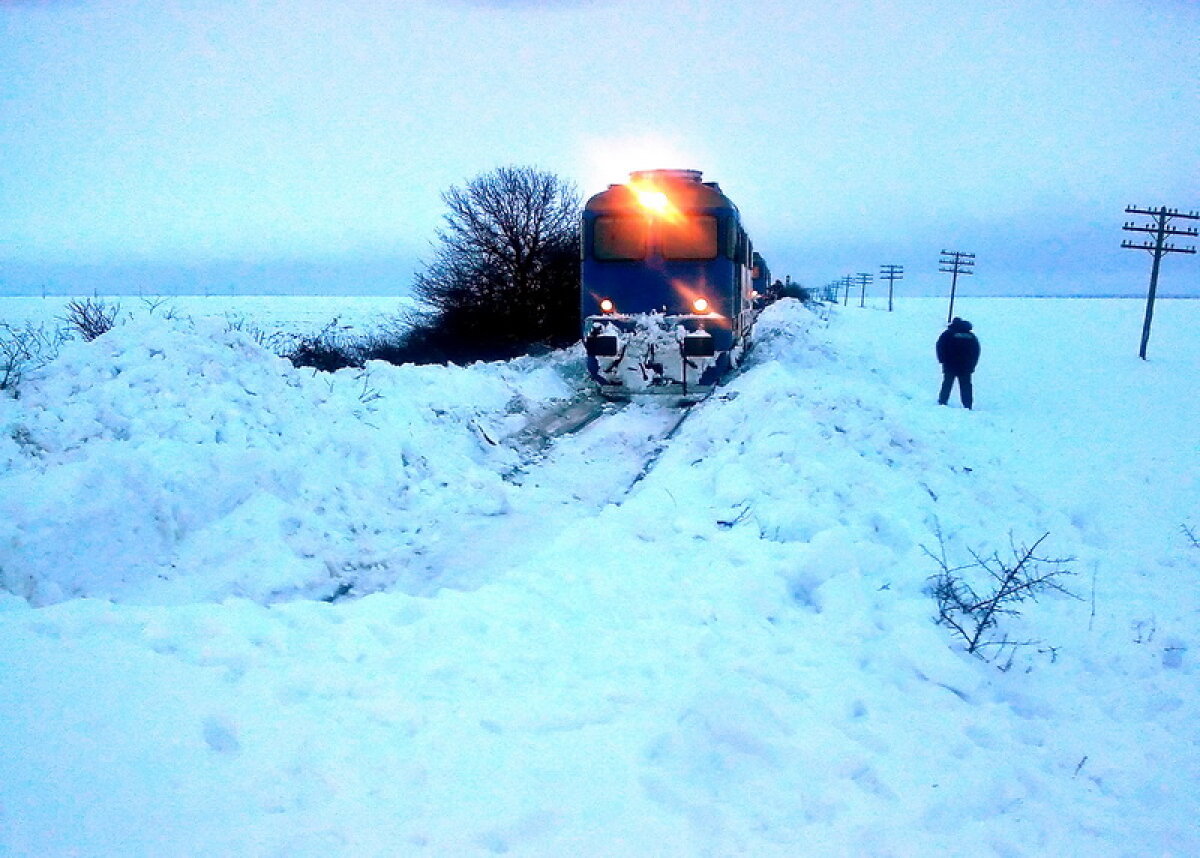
(958, 353)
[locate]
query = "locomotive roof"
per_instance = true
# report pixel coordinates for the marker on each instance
(684, 188)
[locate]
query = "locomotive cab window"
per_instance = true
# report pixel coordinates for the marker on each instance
(731, 237)
(742, 256)
(619, 238)
(689, 238)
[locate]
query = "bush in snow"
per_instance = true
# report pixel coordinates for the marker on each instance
(426, 341)
(399, 341)
(92, 318)
(23, 349)
(331, 349)
(795, 290)
(328, 350)
(972, 598)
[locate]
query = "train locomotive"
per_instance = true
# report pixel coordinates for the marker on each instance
(668, 285)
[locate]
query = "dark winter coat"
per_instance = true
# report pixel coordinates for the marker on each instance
(957, 348)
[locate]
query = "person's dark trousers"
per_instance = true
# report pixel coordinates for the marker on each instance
(964, 387)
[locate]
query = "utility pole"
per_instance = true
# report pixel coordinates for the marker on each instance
(956, 263)
(864, 280)
(891, 273)
(846, 283)
(1159, 229)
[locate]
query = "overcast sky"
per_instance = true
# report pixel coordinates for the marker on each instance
(309, 141)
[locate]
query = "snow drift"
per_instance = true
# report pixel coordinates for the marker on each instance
(736, 656)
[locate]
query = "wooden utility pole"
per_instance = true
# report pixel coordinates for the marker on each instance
(864, 280)
(1160, 228)
(956, 263)
(846, 283)
(891, 273)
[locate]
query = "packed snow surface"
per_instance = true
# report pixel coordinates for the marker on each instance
(254, 610)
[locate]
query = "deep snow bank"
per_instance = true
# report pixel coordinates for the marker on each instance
(172, 460)
(737, 658)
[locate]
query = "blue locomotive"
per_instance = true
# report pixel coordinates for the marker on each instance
(668, 292)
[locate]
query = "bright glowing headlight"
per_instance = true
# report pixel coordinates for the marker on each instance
(700, 305)
(655, 201)
(607, 306)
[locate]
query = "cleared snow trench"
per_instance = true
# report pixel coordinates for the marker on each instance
(584, 457)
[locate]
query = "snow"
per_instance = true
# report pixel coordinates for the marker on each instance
(254, 610)
(303, 314)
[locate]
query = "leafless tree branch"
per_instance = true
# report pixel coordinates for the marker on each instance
(974, 614)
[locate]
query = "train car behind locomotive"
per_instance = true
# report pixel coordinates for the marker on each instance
(668, 292)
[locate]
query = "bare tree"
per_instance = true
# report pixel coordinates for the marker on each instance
(505, 273)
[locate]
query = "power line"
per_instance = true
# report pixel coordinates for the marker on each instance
(1160, 228)
(891, 273)
(956, 263)
(864, 280)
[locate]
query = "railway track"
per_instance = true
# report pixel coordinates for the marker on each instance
(567, 420)
(572, 462)
(641, 431)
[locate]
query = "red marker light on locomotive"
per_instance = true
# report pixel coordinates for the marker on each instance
(700, 305)
(607, 306)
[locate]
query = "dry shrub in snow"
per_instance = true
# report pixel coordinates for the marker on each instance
(331, 348)
(972, 598)
(327, 350)
(92, 318)
(26, 348)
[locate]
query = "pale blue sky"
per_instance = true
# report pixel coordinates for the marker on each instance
(244, 141)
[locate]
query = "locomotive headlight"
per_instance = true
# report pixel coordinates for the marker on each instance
(656, 201)
(700, 305)
(607, 306)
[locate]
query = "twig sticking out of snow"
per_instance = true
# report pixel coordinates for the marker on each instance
(974, 614)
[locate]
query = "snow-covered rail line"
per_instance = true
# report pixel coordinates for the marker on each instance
(584, 457)
(556, 427)
(571, 417)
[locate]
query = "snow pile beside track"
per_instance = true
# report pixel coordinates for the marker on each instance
(179, 461)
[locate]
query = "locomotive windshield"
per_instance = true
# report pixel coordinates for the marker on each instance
(693, 237)
(689, 238)
(620, 238)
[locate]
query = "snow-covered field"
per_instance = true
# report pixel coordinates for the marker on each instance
(256, 611)
(272, 313)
